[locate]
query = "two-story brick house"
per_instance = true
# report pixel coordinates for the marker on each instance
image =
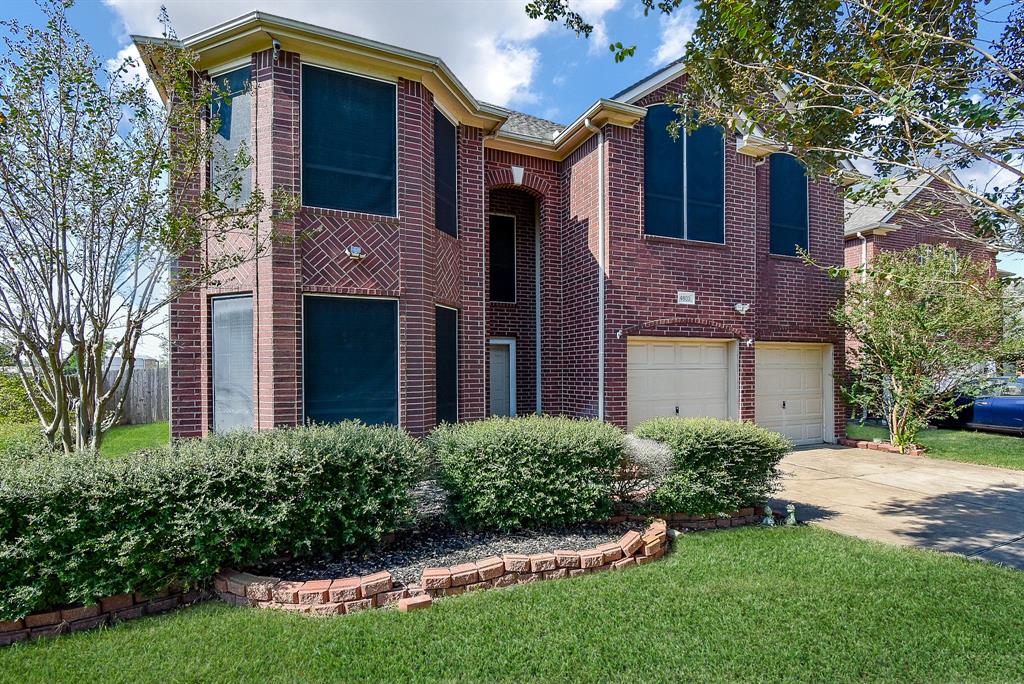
(460, 260)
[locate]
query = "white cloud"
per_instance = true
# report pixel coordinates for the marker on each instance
(594, 11)
(133, 71)
(676, 30)
(487, 44)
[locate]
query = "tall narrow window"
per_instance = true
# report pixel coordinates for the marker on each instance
(350, 359)
(348, 142)
(502, 258)
(232, 363)
(787, 205)
(445, 172)
(446, 339)
(232, 111)
(684, 179)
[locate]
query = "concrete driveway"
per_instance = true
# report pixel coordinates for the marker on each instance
(968, 509)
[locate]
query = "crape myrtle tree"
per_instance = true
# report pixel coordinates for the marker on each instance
(924, 323)
(95, 211)
(906, 88)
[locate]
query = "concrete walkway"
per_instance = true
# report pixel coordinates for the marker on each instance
(968, 509)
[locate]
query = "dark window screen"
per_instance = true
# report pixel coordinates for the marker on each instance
(787, 204)
(445, 202)
(232, 363)
(705, 185)
(348, 142)
(233, 114)
(663, 175)
(350, 359)
(503, 258)
(446, 336)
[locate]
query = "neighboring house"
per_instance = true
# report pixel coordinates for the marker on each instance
(913, 211)
(463, 260)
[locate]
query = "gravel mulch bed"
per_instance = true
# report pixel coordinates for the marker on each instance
(433, 543)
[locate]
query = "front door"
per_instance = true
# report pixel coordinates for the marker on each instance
(502, 365)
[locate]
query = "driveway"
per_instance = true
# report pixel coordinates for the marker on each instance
(973, 510)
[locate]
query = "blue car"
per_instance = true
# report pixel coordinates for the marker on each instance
(998, 408)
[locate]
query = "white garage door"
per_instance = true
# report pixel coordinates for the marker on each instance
(674, 377)
(788, 390)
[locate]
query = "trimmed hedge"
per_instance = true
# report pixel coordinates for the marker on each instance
(22, 442)
(532, 471)
(74, 529)
(717, 465)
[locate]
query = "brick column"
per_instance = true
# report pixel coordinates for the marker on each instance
(277, 307)
(472, 316)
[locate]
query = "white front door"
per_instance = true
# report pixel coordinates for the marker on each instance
(677, 377)
(789, 390)
(502, 368)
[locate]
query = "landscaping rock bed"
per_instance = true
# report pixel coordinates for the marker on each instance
(439, 545)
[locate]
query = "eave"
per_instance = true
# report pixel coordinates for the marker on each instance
(879, 228)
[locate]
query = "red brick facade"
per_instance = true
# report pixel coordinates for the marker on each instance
(557, 210)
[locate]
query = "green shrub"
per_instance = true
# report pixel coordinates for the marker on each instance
(21, 442)
(74, 529)
(15, 406)
(511, 473)
(717, 465)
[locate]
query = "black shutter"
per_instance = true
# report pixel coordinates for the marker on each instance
(234, 116)
(705, 185)
(502, 249)
(350, 359)
(348, 142)
(232, 363)
(445, 203)
(446, 336)
(787, 204)
(663, 175)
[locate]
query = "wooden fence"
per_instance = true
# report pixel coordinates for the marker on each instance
(148, 396)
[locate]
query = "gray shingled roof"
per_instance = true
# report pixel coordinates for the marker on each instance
(859, 215)
(521, 123)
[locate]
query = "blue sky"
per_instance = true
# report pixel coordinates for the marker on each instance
(492, 46)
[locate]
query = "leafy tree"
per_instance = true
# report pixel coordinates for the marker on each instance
(924, 324)
(904, 88)
(94, 210)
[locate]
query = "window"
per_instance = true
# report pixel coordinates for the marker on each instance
(232, 363)
(787, 204)
(445, 170)
(446, 379)
(348, 142)
(350, 359)
(684, 179)
(502, 258)
(234, 131)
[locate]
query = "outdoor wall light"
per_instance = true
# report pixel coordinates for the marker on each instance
(741, 308)
(355, 253)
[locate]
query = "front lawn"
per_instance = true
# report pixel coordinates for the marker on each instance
(798, 604)
(124, 439)
(986, 448)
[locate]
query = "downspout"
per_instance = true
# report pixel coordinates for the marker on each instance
(863, 256)
(600, 263)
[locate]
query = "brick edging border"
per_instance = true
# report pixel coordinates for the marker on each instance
(880, 446)
(379, 590)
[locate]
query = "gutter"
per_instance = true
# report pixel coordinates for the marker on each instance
(601, 256)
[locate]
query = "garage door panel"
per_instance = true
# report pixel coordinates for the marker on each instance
(664, 375)
(789, 391)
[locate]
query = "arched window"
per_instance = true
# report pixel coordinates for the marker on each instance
(787, 204)
(684, 179)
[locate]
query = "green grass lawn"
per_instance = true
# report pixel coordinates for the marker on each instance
(124, 439)
(986, 448)
(797, 604)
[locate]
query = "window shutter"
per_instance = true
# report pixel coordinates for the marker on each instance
(787, 204)
(348, 142)
(350, 359)
(445, 174)
(663, 175)
(705, 184)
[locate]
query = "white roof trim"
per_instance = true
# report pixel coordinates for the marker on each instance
(648, 86)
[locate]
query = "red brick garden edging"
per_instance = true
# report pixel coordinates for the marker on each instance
(378, 590)
(881, 446)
